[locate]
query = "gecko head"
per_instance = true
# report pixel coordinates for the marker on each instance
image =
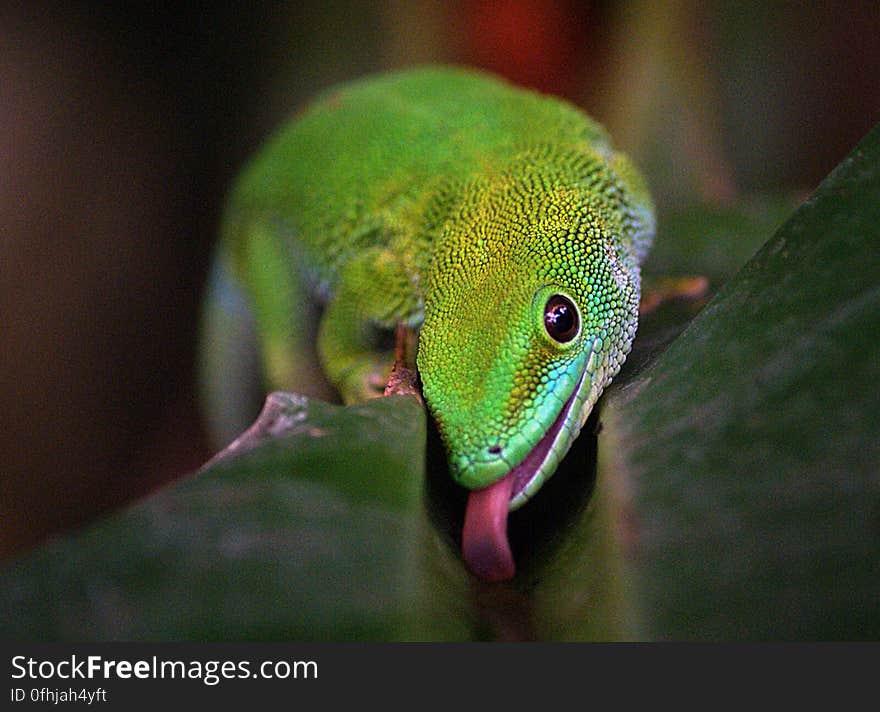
(521, 334)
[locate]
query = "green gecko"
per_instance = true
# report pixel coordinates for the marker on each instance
(496, 224)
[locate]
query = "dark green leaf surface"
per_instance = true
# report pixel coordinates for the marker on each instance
(750, 447)
(308, 537)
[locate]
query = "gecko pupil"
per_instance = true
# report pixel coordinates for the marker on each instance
(560, 318)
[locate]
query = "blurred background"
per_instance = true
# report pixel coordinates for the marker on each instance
(122, 125)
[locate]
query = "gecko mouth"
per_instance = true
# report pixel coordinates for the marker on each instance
(484, 543)
(527, 470)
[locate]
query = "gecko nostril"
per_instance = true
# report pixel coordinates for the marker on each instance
(495, 450)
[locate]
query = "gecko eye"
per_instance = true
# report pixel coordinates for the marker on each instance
(560, 319)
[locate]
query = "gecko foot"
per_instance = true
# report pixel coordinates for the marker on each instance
(667, 289)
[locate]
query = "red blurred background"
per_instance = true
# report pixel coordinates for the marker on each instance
(121, 126)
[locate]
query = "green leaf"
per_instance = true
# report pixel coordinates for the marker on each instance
(749, 448)
(714, 241)
(306, 535)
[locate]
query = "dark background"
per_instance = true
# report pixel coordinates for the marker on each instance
(122, 125)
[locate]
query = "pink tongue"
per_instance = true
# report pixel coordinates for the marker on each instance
(484, 543)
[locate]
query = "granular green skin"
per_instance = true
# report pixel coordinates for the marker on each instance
(452, 202)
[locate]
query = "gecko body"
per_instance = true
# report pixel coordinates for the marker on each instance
(497, 224)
